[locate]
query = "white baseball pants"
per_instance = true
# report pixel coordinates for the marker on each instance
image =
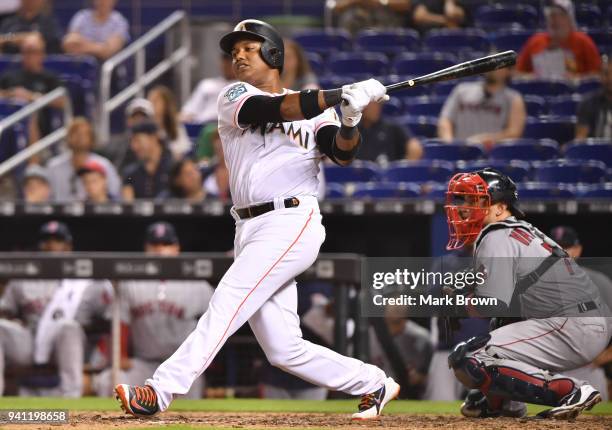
(259, 287)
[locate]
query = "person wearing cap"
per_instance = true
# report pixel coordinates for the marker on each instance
(36, 187)
(63, 168)
(93, 176)
(562, 51)
(41, 323)
(148, 176)
(157, 314)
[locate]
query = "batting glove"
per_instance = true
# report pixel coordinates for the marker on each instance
(357, 96)
(374, 89)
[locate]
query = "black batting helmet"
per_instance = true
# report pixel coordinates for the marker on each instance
(272, 48)
(501, 188)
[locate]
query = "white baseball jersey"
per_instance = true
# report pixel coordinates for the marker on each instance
(276, 160)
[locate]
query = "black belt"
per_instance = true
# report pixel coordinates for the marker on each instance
(586, 306)
(256, 210)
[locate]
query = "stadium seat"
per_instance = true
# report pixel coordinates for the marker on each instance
(598, 191)
(411, 64)
(421, 126)
(588, 15)
(456, 40)
(539, 190)
(569, 171)
(418, 171)
(393, 107)
(85, 67)
(334, 191)
(261, 9)
(590, 149)
(359, 65)
(560, 129)
(8, 62)
(542, 87)
(389, 42)
(213, 8)
(588, 85)
(316, 63)
(563, 105)
(524, 149)
(311, 8)
(329, 81)
(512, 39)
(324, 42)
(424, 105)
(516, 169)
(535, 105)
(602, 38)
(496, 16)
(386, 190)
(434, 190)
(193, 130)
(9, 107)
(358, 171)
(458, 150)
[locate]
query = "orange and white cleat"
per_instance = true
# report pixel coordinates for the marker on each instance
(372, 404)
(137, 401)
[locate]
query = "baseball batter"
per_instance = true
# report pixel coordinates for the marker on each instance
(273, 140)
(563, 322)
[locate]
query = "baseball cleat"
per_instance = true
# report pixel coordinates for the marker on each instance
(477, 406)
(372, 404)
(584, 398)
(137, 401)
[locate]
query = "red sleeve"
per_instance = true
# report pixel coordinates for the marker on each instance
(592, 59)
(524, 63)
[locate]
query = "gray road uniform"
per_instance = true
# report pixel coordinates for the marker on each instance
(160, 315)
(564, 322)
(25, 302)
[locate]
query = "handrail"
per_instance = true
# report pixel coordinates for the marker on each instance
(46, 141)
(142, 78)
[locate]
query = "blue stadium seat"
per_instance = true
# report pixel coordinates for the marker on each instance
(427, 106)
(496, 16)
(598, 191)
(316, 62)
(524, 149)
(535, 105)
(513, 39)
(434, 149)
(588, 15)
(539, 190)
(358, 64)
(588, 85)
(261, 9)
(84, 67)
(313, 8)
(418, 171)
(358, 171)
(411, 64)
(590, 149)
(563, 105)
(436, 191)
(193, 130)
(516, 169)
(542, 87)
(334, 191)
(213, 8)
(386, 190)
(443, 89)
(389, 42)
(456, 40)
(409, 94)
(9, 107)
(560, 129)
(422, 126)
(329, 81)
(602, 38)
(569, 171)
(324, 41)
(8, 62)
(393, 107)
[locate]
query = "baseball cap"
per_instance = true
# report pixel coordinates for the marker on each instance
(161, 232)
(146, 127)
(565, 236)
(36, 171)
(55, 230)
(92, 166)
(566, 6)
(140, 105)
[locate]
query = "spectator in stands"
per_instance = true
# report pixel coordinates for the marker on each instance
(210, 151)
(297, 74)
(32, 81)
(185, 182)
(30, 19)
(355, 15)
(101, 31)
(148, 176)
(484, 111)
(8, 8)
(167, 118)
(595, 111)
(428, 14)
(63, 168)
(93, 177)
(384, 140)
(36, 187)
(201, 107)
(561, 51)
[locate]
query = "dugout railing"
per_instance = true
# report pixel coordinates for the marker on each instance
(342, 270)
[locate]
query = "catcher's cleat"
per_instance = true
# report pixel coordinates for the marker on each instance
(477, 406)
(137, 401)
(372, 404)
(584, 398)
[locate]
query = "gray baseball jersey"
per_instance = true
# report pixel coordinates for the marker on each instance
(472, 111)
(161, 314)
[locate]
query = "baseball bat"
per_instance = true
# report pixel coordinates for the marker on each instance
(462, 70)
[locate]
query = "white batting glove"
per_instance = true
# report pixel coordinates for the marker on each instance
(374, 89)
(357, 96)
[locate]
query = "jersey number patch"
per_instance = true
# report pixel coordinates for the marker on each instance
(234, 92)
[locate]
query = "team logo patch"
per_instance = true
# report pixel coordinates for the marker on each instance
(234, 92)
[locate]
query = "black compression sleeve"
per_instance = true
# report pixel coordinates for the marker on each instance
(309, 103)
(261, 110)
(326, 141)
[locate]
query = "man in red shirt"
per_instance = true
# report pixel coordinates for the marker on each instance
(561, 52)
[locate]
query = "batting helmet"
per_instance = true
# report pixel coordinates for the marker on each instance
(272, 48)
(468, 199)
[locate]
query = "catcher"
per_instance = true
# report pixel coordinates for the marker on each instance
(553, 319)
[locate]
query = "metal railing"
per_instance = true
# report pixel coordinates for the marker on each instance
(142, 78)
(47, 141)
